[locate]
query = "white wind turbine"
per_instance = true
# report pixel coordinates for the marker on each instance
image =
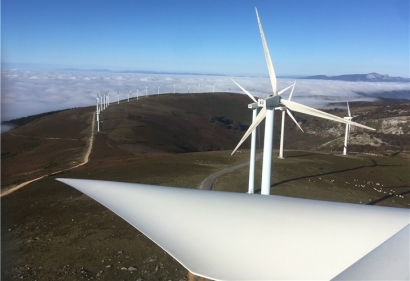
(158, 90)
(174, 88)
(146, 91)
(282, 132)
(128, 95)
(254, 106)
(137, 93)
(98, 114)
(103, 97)
(108, 98)
(347, 133)
(268, 105)
(118, 100)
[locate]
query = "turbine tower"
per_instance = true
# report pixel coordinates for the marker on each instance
(137, 93)
(347, 133)
(98, 115)
(254, 106)
(146, 91)
(128, 95)
(282, 132)
(118, 100)
(174, 88)
(268, 105)
(158, 89)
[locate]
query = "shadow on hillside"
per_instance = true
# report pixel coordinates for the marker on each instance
(375, 164)
(388, 195)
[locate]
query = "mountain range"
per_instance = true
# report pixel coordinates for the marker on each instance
(370, 77)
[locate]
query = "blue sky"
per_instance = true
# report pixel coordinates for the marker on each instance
(304, 37)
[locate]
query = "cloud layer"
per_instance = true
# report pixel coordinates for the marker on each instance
(31, 92)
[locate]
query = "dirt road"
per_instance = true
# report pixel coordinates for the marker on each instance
(85, 161)
(209, 181)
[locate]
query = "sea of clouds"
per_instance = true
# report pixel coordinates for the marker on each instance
(25, 93)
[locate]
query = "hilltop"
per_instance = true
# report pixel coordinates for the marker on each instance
(181, 123)
(51, 231)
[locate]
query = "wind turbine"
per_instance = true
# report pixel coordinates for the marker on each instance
(118, 100)
(347, 133)
(128, 95)
(158, 89)
(254, 106)
(174, 88)
(188, 88)
(268, 105)
(137, 93)
(282, 132)
(213, 88)
(98, 115)
(146, 90)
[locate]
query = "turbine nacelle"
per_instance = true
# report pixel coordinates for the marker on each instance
(253, 105)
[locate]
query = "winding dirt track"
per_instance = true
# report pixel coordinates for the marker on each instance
(209, 181)
(85, 161)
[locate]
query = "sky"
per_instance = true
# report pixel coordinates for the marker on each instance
(330, 37)
(47, 46)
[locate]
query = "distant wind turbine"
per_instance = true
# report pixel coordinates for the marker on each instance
(174, 88)
(188, 88)
(128, 95)
(282, 132)
(118, 100)
(98, 115)
(137, 93)
(158, 89)
(146, 91)
(268, 105)
(347, 133)
(213, 88)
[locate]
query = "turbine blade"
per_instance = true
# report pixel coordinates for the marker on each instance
(294, 106)
(293, 118)
(245, 91)
(255, 123)
(348, 109)
(287, 88)
(271, 70)
(291, 93)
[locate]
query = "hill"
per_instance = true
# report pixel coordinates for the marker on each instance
(181, 123)
(53, 232)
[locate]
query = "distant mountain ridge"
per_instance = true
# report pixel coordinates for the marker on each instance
(370, 77)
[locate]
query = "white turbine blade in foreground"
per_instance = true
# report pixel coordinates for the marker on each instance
(293, 118)
(252, 237)
(348, 109)
(245, 91)
(255, 123)
(271, 70)
(294, 106)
